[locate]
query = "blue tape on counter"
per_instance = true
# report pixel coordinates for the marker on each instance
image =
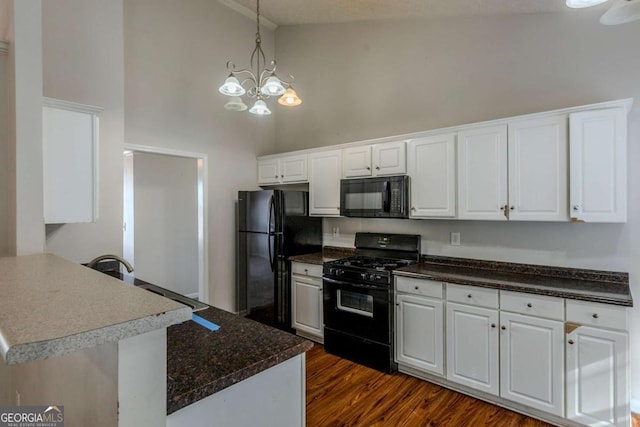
(204, 322)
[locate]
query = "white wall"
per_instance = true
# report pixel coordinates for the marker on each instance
(175, 56)
(165, 192)
(83, 61)
(392, 78)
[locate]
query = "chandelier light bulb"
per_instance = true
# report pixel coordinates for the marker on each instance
(260, 108)
(272, 87)
(235, 104)
(232, 87)
(290, 98)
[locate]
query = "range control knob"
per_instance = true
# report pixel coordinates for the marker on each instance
(364, 276)
(332, 271)
(339, 272)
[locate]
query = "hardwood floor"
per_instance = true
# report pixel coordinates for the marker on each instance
(343, 393)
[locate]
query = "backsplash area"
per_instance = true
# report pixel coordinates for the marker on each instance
(593, 246)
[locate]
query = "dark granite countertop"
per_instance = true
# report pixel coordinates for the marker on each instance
(329, 253)
(201, 362)
(587, 285)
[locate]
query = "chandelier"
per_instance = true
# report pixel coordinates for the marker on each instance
(259, 82)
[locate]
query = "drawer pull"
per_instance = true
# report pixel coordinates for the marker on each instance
(529, 305)
(469, 296)
(417, 288)
(306, 271)
(570, 341)
(595, 315)
(504, 328)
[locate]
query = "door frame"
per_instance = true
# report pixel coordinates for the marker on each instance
(203, 208)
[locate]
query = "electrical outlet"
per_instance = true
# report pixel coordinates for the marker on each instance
(336, 231)
(455, 239)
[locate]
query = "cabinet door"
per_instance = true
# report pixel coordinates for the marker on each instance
(472, 347)
(294, 168)
(432, 168)
(70, 162)
(597, 372)
(482, 173)
(268, 171)
(598, 153)
(420, 333)
(390, 158)
(532, 362)
(324, 183)
(538, 169)
(307, 305)
(356, 161)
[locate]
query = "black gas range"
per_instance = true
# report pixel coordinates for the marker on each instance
(358, 298)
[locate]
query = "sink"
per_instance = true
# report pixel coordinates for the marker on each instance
(195, 305)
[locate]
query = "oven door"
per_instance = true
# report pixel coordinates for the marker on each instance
(358, 309)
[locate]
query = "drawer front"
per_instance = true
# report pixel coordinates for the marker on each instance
(472, 295)
(598, 315)
(424, 287)
(304, 269)
(534, 305)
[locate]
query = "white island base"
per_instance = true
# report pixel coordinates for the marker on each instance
(273, 398)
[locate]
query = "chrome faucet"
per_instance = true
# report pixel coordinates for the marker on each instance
(93, 262)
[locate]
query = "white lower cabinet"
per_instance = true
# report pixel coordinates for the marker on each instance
(532, 362)
(597, 347)
(307, 316)
(472, 347)
(566, 358)
(420, 333)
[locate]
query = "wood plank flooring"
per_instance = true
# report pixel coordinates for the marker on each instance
(342, 393)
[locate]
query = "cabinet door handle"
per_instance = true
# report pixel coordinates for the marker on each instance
(512, 207)
(306, 271)
(276, 177)
(576, 207)
(529, 305)
(417, 288)
(493, 325)
(377, 168)
(504, 328)
(570, 341)
(595, 315)
(368, 168)
(281, 176)
(469, 296)
(398, 304)
(413, 208)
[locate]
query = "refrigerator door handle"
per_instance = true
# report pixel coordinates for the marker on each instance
(272, 208)
(269, 236)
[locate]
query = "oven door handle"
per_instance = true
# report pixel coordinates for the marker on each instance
(353, 285)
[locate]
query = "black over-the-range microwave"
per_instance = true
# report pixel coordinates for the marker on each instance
(381, 197)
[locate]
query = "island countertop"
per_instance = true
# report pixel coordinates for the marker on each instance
(51, 306)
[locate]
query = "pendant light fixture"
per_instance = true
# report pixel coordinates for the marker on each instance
(259, 82)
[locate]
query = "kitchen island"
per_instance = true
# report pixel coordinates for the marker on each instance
(244, 373)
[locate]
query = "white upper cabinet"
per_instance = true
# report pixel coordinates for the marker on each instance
(516, 171)
(325, 169)
(285, 169)
(598, 151)
(388, 158)
(356, 161)
(269, 171)
(482, 173)
(432, 167)
(70, 162)
(538, 151)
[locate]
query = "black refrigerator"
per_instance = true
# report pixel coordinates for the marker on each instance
(272, 226)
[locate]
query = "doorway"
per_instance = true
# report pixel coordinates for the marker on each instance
(164, 211)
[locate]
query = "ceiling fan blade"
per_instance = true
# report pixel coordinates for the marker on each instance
(621, 12)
